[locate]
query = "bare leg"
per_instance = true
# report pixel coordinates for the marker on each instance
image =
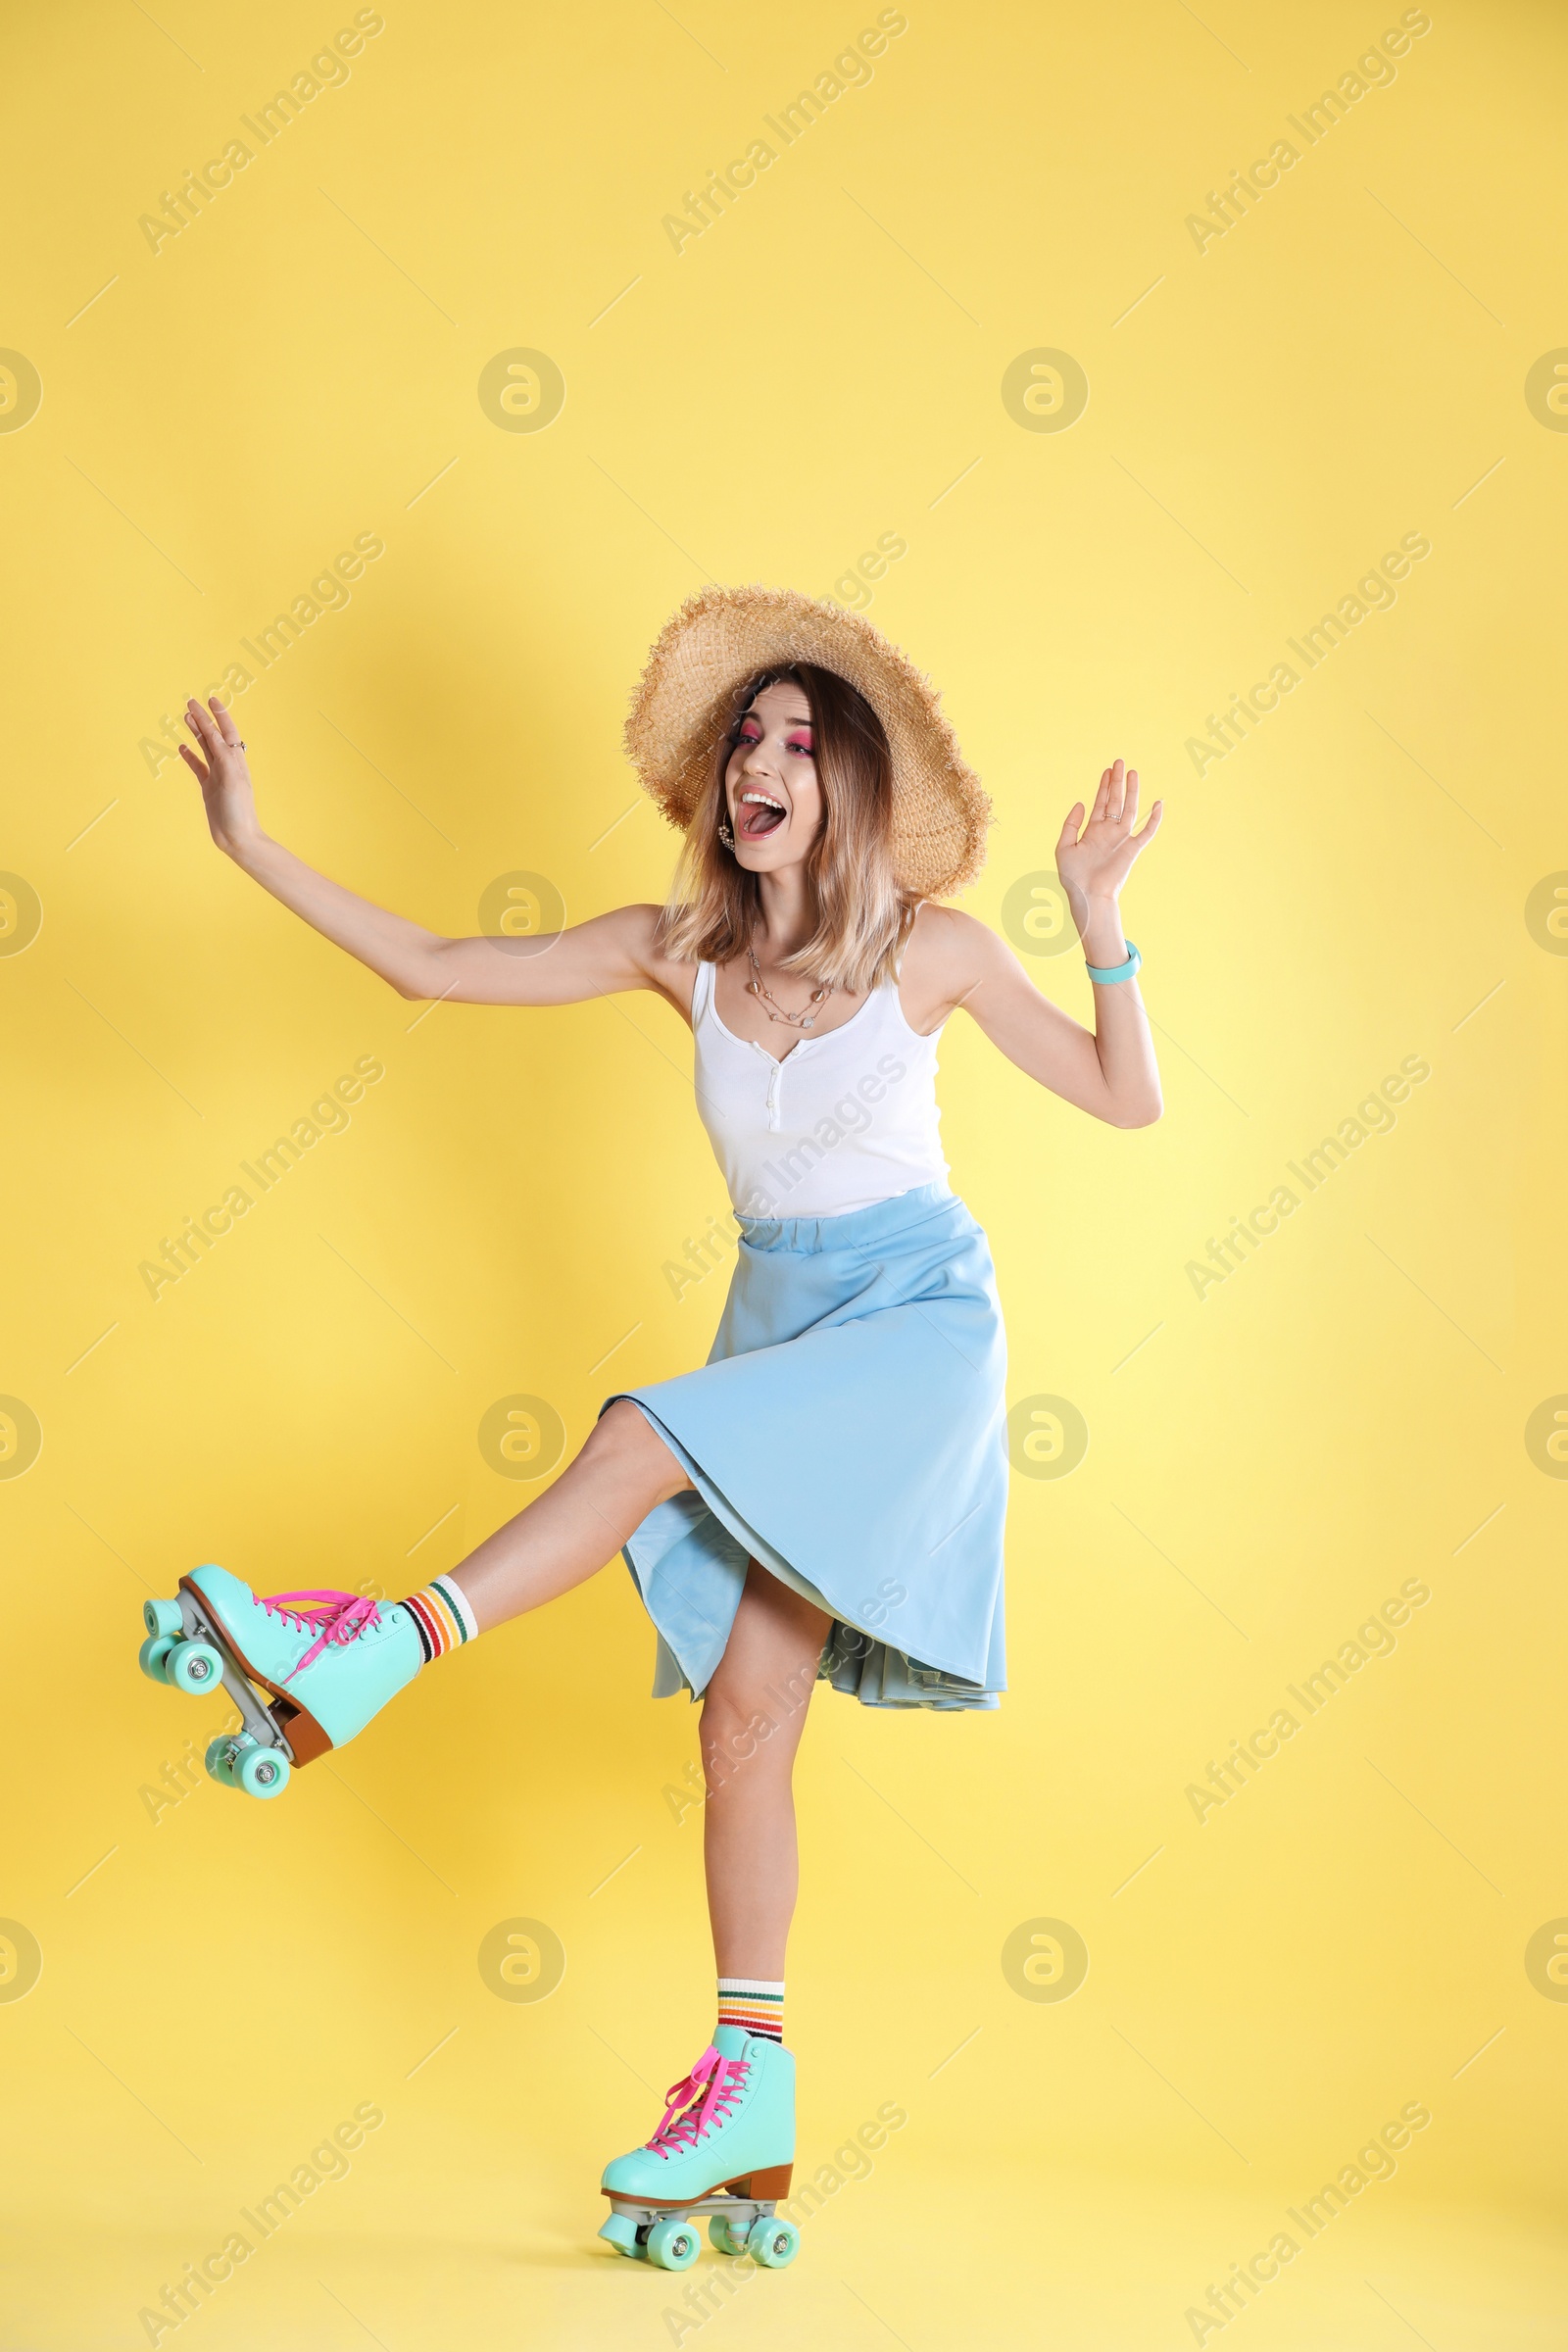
(577, 1525)
(753, 1712)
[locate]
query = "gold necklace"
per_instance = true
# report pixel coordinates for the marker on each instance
(771, 1004)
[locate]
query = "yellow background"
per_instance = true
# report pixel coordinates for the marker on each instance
(223, 1983)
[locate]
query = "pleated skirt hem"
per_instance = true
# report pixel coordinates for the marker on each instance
(854, 1660)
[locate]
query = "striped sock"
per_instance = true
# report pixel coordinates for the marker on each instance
(442, 1617)
(754, 2002)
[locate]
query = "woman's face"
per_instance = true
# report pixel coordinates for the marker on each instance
(775, 802)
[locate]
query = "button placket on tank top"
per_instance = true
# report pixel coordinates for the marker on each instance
(776, 1074)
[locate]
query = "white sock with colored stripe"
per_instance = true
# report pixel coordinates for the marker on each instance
(754, 2002)
(443, 1617)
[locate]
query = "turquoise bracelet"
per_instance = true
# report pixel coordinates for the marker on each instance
(1108, 972)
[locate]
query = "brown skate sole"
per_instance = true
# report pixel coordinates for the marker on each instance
(766, 2186)
(304, 1734)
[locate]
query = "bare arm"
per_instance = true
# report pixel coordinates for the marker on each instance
(612, 951)
(1110, 1070)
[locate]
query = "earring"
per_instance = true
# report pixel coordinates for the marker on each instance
(726, 836)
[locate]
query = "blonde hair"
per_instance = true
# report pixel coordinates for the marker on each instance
(863, 914)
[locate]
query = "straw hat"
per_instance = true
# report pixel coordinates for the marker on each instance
(684, 702)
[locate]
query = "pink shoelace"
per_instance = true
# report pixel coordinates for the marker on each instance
(334, 1617)
(704, 2097)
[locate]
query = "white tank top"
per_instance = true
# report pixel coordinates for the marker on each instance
(845, 1120)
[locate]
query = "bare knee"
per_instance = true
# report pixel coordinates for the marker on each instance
(625, 1438)
(741, 1728)
(744, 1716)
(731, 1708)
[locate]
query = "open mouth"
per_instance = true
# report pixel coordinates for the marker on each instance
(759, 813)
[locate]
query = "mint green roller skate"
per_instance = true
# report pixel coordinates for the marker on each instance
(727, 2148)
(328, 1661)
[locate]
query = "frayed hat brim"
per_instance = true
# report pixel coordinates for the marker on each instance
(721, 636)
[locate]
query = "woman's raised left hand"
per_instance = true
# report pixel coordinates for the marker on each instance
(1095, 864)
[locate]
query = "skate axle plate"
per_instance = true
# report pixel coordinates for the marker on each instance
(264, 1724)
(666, 2235)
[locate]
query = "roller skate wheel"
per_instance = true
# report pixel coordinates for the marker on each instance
(673, 2245)
(773, 2242)
(193, 1667)
(219, 1759)
(152, 1653)
(161, 1616)
(723, 2233)
(261, 1772)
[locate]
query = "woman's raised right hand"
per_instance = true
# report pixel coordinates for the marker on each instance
(223, 775)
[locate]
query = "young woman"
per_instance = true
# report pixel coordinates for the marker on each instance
(825, 1498)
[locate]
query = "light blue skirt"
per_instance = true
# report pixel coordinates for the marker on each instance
(848, 1432)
